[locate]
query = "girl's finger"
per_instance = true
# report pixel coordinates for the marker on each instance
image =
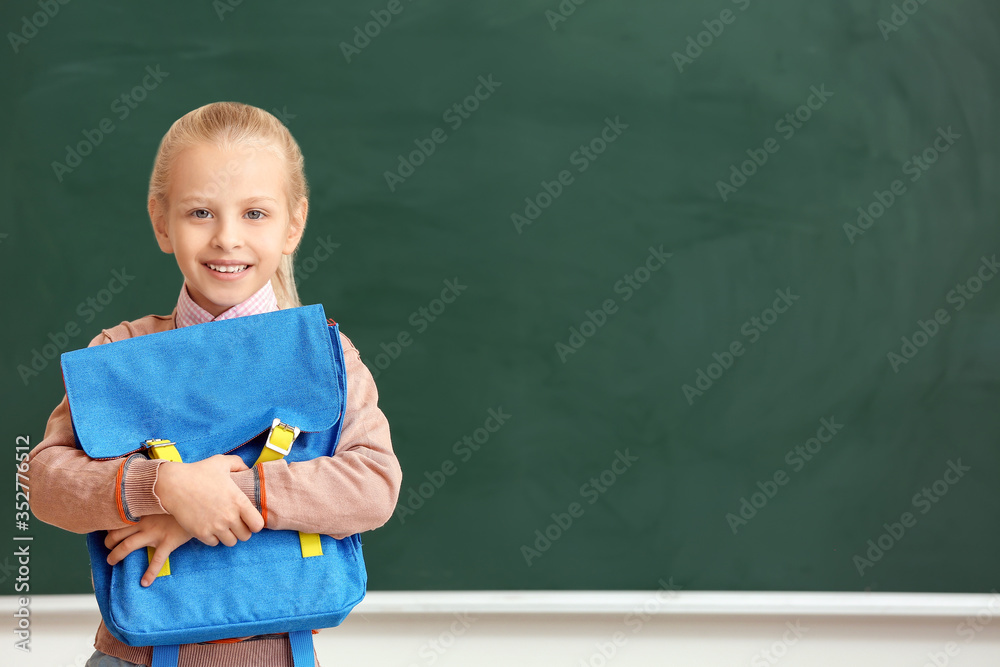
(241, 531)
(127, 546)
(118, 534)
(156, 564)
(228, 538)
(250, 517)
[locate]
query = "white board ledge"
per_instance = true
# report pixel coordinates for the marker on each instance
(720, 603)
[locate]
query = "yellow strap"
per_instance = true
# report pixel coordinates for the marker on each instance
(281, 437)
(165, 570)
(161, 449)
(311, 546)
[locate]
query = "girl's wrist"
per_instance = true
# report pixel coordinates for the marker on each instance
(138, 498)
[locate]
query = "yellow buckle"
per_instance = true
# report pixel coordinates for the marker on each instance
(156, 442)
(157, 448)
(278, 424)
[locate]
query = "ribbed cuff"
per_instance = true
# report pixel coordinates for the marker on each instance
(248, 482)
(138, 478)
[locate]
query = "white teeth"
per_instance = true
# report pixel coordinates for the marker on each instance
(228, 269)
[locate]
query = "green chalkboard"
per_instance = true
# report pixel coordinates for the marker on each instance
(701, 290)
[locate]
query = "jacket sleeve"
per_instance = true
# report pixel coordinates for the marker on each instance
(70, 490)
(354, 490)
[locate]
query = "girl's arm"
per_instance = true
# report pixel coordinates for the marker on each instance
(70, 490)
(351, 492)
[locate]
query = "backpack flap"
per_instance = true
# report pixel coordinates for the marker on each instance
(209, 387)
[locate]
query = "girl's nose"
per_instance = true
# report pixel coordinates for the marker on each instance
(227, 234)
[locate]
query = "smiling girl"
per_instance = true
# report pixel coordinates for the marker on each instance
(229, 199)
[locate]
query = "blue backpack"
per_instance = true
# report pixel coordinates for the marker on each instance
(261, 387)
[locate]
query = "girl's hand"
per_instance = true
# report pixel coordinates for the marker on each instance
(160, 531)
(205, 500)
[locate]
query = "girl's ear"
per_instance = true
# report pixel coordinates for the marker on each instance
(157, 215)
(296, 227)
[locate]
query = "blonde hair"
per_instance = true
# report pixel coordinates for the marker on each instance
(232, 125)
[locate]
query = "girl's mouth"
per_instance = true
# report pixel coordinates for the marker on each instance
(227, 271)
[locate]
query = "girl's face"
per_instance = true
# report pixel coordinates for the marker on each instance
(228, 211)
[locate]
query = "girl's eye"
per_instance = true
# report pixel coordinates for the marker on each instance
(259, 216)
(200, 210)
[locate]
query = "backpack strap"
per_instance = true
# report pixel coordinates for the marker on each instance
(302, 648)
(279, 443)
(166, 656)
(167, 450)
(301, 642)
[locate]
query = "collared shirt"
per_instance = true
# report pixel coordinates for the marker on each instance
(189, 312)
